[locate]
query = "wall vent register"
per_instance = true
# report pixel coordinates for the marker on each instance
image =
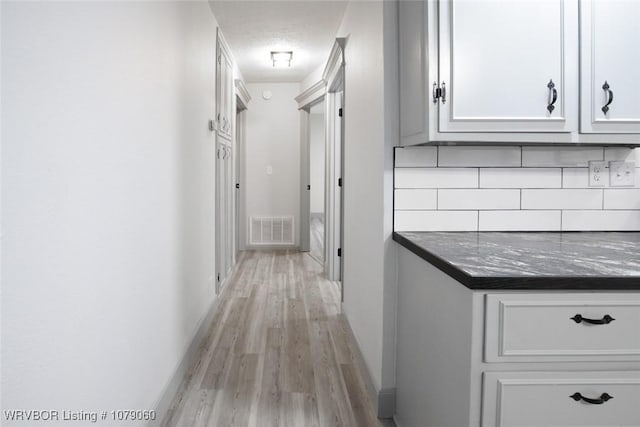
(271, 230)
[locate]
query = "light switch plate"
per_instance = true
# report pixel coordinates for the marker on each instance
(597, 173)
(269, 170)
(621, 173)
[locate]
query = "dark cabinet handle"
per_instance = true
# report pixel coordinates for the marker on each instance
(606, 319)
(553, 96)
(609, 93)
(599, 401)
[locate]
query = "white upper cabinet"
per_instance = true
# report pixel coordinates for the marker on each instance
(507, 66)
(225, 87)
(610, 66)
(524, 71)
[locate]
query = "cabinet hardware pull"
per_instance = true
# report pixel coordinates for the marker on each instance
(606, 319)
(599, 401)
(609, 93)
(553, 96)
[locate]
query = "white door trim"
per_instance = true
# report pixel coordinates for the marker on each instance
(310, 97)
(334, 201)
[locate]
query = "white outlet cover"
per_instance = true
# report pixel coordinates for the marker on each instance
(269, 170)
(597, 173)
(622, 174)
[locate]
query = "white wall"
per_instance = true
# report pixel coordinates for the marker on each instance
(273, 139)
(370, 132)
(107, 199)
(316, 166)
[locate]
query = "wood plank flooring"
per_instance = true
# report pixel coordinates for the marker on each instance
(316, 241)
(277, 353)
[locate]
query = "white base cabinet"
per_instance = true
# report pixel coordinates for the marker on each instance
(558, 399)
(513, 358)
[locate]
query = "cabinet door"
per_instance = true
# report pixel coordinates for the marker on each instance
(508, 66)
(225, 89)
(417, 109)
(610, 54)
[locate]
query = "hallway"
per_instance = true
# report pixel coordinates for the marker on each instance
(277, 353)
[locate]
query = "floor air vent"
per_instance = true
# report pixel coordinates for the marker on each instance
(271, 230)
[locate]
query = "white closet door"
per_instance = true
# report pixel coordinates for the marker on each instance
(610, 53)
(503, 62)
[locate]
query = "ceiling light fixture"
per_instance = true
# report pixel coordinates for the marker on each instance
(281, 58)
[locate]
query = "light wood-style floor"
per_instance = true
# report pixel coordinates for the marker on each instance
(277, 353)
(316, 241)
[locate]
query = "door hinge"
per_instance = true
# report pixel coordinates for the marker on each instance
(340, 252)
(218, 277)
(439, 92)
(219, 59)
(308, 187)
(339, 182)
(339, 112)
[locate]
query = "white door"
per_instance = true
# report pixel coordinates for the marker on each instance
(507, 66)
(610, 66)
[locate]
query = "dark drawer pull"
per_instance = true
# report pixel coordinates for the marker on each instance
(599, 401)
(604, 321)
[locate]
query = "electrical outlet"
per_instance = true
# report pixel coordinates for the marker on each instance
(622, 174)
(597, 173)
(269, 170)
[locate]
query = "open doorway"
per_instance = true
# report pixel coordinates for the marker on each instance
(326, 95)
(317, 181)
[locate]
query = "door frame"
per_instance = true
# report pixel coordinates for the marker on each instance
(334, 75)
(307, 99)
(327, 88)
(242, 104)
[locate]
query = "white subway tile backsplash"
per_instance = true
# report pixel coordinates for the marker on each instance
(622, 199)
(436, 221)
(560, 156)
(562, 199)
(520, 177)
(478, 199)
(600, 220)
(509, 188)
(415, 199)
(579, 178)
(622, 153)
(520, 220)
(436, 178)
(416, 157)
(479, 156)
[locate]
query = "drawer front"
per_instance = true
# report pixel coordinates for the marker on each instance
(545, 399)
(562, 327)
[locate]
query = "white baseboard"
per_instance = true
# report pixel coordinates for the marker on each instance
(189, 358)
(172, 387)
(384, 400)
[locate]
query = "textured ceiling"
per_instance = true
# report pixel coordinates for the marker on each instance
(255, 28)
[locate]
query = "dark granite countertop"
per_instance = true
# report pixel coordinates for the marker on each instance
(532, 260)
